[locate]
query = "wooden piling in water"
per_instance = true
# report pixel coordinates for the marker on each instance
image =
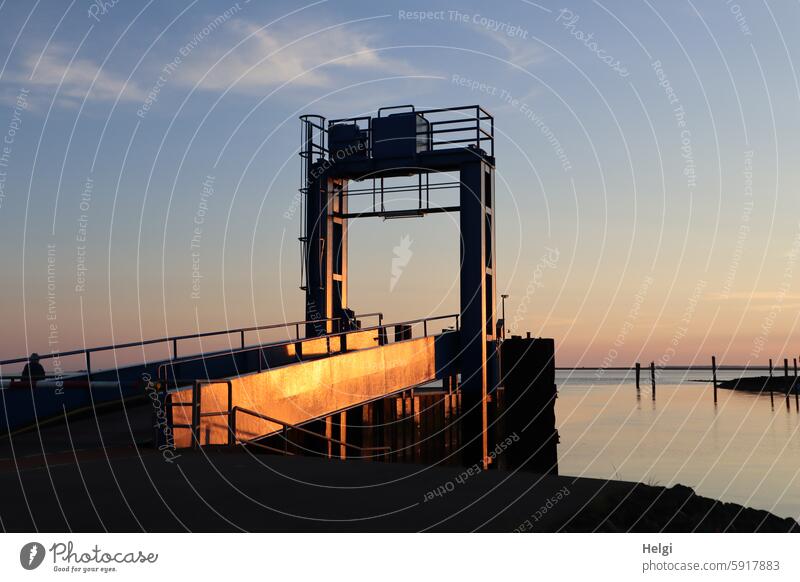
(653, 378)
(714, 376)
(638, 374)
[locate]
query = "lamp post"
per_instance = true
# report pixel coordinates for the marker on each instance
(503, 297)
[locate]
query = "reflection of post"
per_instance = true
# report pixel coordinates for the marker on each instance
(638, 374)
(771, 387)
(714, 375)
(771, 395)
(795, 386)
(653, 378)
(786, 379)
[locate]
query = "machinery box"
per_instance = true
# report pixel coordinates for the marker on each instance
(347, 141)
(400, 135)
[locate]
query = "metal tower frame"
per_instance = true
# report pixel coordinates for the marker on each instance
(404, 141)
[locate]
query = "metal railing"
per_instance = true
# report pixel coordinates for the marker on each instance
(286, 426)
(196, 406)
(382, 338)
(474, 127)
(87, 352)
(463, 128)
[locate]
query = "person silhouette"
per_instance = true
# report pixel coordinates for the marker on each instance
(33, 370)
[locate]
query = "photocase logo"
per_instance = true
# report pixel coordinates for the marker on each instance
(31, 555)
(402, 255)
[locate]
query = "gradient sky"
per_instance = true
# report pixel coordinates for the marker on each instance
(647, 171)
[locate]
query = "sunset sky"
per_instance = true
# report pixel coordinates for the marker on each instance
(647, 167)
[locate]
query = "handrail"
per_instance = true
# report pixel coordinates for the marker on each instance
(232, 428)
(197, 414)
(381, 109)
(197, 408)
(175, 339)
(247, 349)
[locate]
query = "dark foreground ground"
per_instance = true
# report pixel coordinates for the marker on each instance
(224, 490)
(102, 474)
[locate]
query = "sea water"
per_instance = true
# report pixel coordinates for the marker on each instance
(744, 449)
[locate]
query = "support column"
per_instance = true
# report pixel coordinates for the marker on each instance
(478, 317)
(326, 250)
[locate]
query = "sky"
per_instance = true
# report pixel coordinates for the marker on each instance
(647, 205)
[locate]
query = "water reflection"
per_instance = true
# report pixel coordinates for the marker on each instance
(743, 449)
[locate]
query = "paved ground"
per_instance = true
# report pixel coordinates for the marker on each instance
(236, 490)
(104, 474)
(84, 435)
(224, 491)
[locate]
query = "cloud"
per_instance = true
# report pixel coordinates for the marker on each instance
(753, 296)
(78, 77)
(522, 52)
(271, 57)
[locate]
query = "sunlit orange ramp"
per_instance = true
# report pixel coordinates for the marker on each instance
(304, 391)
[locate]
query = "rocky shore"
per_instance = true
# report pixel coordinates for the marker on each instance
(645, 508)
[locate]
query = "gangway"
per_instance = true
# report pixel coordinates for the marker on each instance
(344, 370)
(24, 404)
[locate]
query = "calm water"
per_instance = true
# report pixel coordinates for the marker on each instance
(743, 450)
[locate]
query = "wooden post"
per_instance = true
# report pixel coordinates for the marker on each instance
(329, 435)
(653, 378)
(770, 367)
(638, 374)
(714, 375)
(416, 449)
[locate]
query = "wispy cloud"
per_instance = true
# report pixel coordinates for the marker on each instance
(78, 79)
(274, 56)
(522, 52)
